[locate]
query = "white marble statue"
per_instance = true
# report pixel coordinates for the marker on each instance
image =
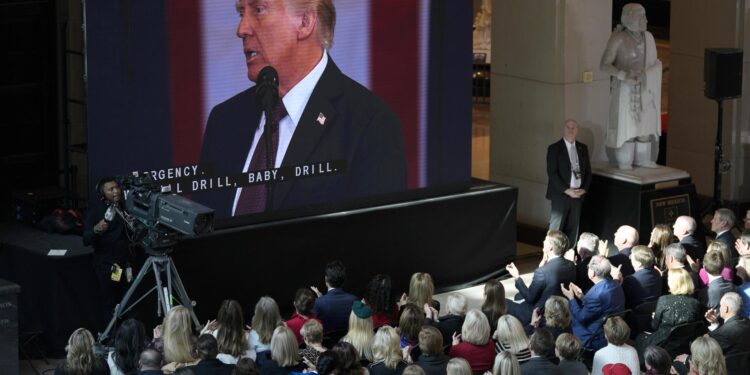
(483, 30)
(635, 94)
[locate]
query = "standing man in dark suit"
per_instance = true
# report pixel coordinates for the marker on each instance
(722, 224)
(732, 335)
(569, 177)
(684, 229)
(322, 116)
(553, 270)
(334, 307)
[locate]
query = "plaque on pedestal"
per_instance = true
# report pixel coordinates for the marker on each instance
(641, 198)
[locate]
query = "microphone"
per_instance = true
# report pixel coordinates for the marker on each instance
(267, 94)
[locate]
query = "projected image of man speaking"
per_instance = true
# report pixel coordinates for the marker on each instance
(323, 116)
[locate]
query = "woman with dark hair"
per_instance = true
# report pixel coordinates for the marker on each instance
(304, 300)
(348, 360)
(409, 324)
(246, 366)
(494, 302)
(229, 331)
(382, 301)
(80, 358)
(130, 341)
(327, 363)
(658, 361)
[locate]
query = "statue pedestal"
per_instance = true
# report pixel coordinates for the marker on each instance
(641, 198)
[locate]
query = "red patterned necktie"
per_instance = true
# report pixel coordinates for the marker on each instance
(253, 198)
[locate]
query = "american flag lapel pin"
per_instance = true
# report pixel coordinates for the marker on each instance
(321, 119)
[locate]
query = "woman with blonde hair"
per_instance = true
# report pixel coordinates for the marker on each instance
(312, 335)
(494, 301)
(458, 366)
(506, 363)
(80, 358)
(661, 237)
(511, 337)
(229, 330)
(284, 353)
(360, 333)
(706, 357)
(556, 317)
(676, 308)
(386, 353)
(474, 344)
(265, 320)
(178, 338)
(421, 289)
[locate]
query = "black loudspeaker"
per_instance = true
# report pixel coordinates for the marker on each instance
(722, 73)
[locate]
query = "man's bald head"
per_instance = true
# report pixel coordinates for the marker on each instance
(684, 226)
(625, 237)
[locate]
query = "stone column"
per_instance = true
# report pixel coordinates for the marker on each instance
(541, 51)
(696, 25)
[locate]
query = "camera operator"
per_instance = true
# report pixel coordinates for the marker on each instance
(106, 231)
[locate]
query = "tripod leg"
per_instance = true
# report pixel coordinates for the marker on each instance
(121, 306)
(164, 304)
(182, 293)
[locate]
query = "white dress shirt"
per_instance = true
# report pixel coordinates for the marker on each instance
(575, 183)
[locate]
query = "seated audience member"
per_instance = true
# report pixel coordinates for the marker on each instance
(150, 362)
(304, 300)
(265, 320)
(678, 307)
(661, 237)
(625, 238)
(733, 335)
(360, 333)
(553, 270)
(510, 337)
(421, 290)
(386, 353)
(506, 364)
(312, 334)
(206, 349)
(675, 258)
(229, 330)
(494, 305)
(742, 245)
(705, 358)
(334, 307)
(382, 301)
(348, 360)
(80, 357)
(617, 333)
(327, 363)
(474, 344)
(454, 320)
(743, 271)
(726, 256)
(717, 286)
(556, 317)
(284, 353)
(432, 359)
(414, 370)
(587, 246)
(722, 224)
(540, 343)
(567, 348)
(246, 366)
(685, 230)
(409, 324)
(459, 366)
(130, 340)
(657, 360)
(645, 283)
(177, 335)
(604, 298)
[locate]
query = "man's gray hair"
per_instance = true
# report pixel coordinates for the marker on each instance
(589, 242)
(733, 301)
(689, 223)
(727, 215)
(676, 251)
(600, 266)
(457, 304)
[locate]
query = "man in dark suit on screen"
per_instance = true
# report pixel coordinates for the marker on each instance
(569, 177)
(322, 116)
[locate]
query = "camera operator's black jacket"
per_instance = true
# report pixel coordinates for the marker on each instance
(112, 245)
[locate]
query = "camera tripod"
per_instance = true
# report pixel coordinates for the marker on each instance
(160, 263)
